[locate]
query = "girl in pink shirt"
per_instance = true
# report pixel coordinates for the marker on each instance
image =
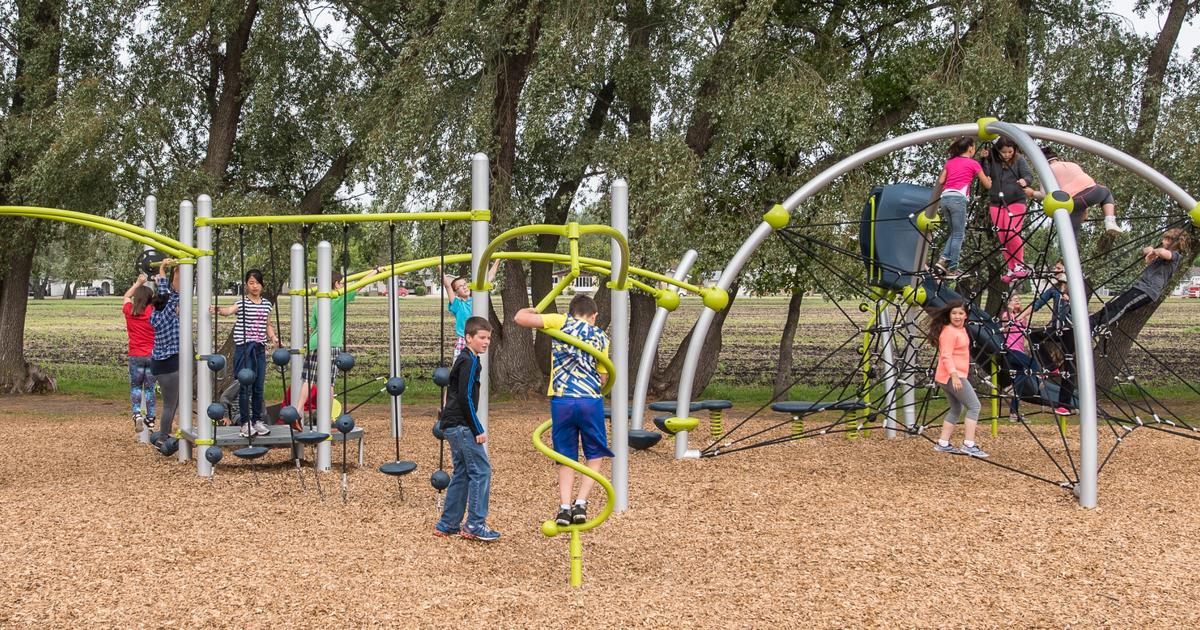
(948, 329)
(1084, 191)
(951, 192)
(1016, 329)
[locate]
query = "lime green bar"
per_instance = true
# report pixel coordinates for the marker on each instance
(550, 528)
(105, 228)
(566, 231)
(386, 217)
(113, 226)
(561, 286)
(363, 278)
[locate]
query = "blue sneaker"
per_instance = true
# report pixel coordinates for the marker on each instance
(483, 534)
(949, 448)
(973, 451)
(442, 533)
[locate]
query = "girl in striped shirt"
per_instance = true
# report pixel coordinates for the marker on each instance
(251, 331)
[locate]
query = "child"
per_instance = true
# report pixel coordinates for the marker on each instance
(952, 191)
(948, 330)
(251, 331)
(164, 360)
(1161, 264)
(141, 346)
(576, 405)
(462, 303)
(1016, 328)
(472, 480)
(1007, 199)
(337, 335)
(1053, 296)
(1084, 191)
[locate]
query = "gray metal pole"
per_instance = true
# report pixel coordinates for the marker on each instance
(480, 300)
(150, 222)
(1085, 376)
(619, 353)
(907, 369)
(884, 322)
(646, 365)
(187, 353)
(324, 379)
(204, 338)
(394, 352)
(297, 281)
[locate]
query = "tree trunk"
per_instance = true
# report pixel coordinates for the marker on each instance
(224, 118)
(69, 290)
(1128, 328)
(17, 375)
(1152, 85)
(514, 363)
(783, 373)
(666, 383)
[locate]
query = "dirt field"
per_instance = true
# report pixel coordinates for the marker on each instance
(103, 532)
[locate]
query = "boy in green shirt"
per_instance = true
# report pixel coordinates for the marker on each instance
(337, 334)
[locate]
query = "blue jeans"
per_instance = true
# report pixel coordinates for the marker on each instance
(955, 207)
(252, 356)
(471, 483)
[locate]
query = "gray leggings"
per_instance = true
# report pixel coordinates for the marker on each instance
(170, 400)
(964, 398)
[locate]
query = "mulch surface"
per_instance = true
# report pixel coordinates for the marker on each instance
(101, 531)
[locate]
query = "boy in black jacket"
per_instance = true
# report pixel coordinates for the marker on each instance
(472, 480)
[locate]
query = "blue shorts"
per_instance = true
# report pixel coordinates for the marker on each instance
(579, 420)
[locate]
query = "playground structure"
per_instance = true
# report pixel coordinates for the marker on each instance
(912, 288)
(893, 306)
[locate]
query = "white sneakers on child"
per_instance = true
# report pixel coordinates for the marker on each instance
(261, 428)
(1111, 227)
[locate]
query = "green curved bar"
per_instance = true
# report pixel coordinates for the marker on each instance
(550, 528)
(560, 230)
(463, 215)
(120, 228)
(174, 253)
(364, 278)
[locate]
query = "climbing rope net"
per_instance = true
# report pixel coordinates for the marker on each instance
(888, 381)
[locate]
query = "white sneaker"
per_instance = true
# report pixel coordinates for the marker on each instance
(261, 428)
(246, 431)
(1110, 226)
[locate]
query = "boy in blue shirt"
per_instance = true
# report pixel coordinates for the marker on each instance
(462, 304)
(576, 404)
(471, 484)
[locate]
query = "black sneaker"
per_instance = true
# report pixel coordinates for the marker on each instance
(564, 518)
(149, 421)
(579, 513)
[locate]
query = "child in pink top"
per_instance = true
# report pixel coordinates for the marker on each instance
(948, 329)
(1016, 329)
(1084, 191)
(952, 192)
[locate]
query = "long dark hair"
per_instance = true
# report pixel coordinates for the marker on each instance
(960, 145)
(141, 299)
(940, 318)
(1003, 142)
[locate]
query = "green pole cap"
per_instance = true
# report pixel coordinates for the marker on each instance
(1194, 213)
(668, 299)
(1055, 200)
(715, 298)
(777, 217)
(984, 134)
(926, 222)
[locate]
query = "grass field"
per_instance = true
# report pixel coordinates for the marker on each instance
(83, 343)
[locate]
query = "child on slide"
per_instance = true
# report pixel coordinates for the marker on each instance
(952, 192)
(1161, 263)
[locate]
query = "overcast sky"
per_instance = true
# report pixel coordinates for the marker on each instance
(1151, 24)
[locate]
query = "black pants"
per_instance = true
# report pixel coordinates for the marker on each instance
(1117, 307)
